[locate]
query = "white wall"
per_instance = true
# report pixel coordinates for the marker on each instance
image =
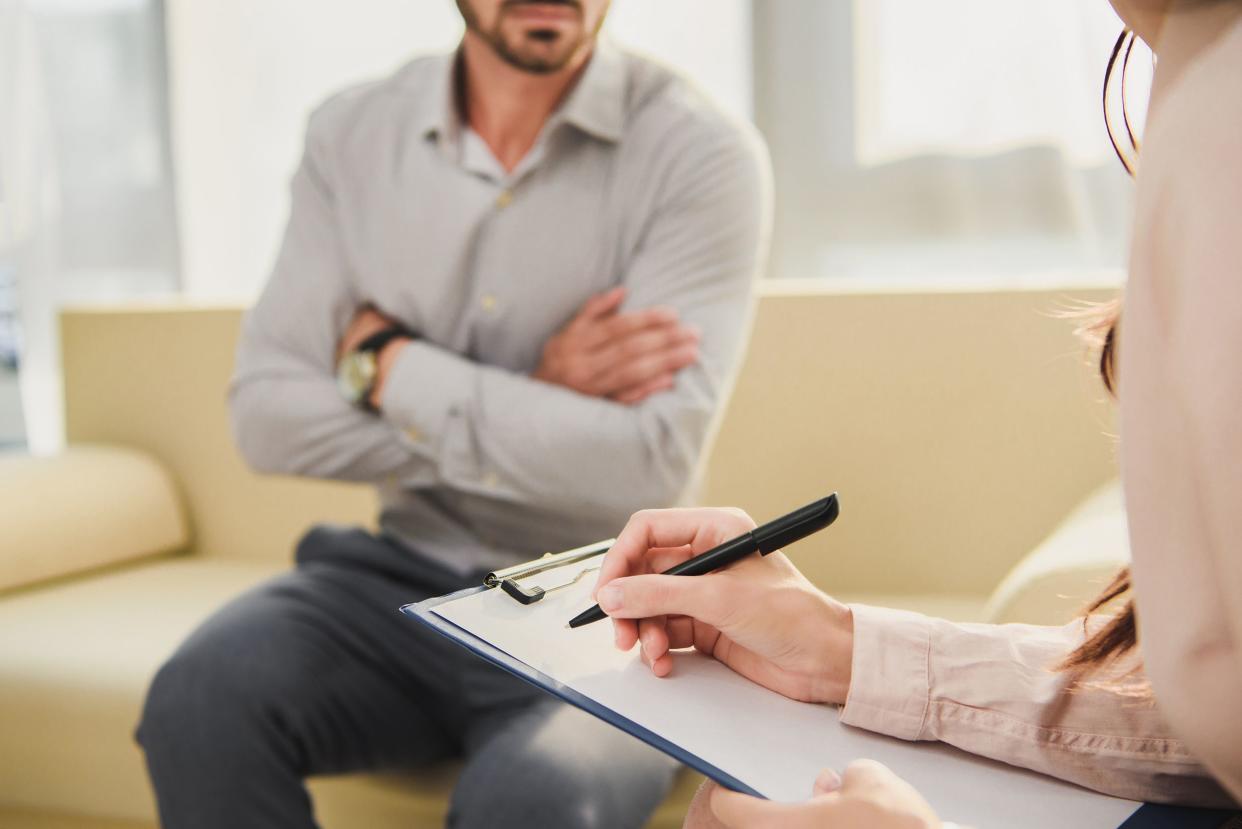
(246, 73)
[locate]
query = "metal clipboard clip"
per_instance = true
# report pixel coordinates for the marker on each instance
(507, 579)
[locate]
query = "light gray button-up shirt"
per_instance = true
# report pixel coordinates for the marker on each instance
(636, 180)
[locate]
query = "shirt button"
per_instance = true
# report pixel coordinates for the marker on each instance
(491, 480)
(504, 199)
(413, 435)
(488, 301)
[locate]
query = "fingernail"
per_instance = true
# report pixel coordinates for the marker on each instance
(609, 597)
(828, 781)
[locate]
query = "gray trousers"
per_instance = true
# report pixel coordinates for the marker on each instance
(316, 672)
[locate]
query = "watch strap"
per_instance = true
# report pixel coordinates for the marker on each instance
(383, 337)
(373, 344)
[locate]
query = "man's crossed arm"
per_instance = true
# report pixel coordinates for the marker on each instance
(613, 417)
(601, 352)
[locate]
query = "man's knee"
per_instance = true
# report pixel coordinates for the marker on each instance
(563, 795)
(566, 769)
(211, 694)
(535, 794)
(187, 701)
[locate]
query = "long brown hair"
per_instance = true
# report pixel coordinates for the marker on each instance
(1119, 635)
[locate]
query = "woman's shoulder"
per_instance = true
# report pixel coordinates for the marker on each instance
(1199, 126)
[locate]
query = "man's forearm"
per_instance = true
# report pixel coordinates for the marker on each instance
(509, 436)
(288, 418)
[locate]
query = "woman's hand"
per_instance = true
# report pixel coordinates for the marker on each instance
(760, 616)
(867, 796)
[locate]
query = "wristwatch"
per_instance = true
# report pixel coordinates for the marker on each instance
(358, 370)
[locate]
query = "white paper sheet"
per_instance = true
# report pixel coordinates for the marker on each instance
(773, 744)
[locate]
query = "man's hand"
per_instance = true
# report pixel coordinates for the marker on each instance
(366, 322)
(626, 357)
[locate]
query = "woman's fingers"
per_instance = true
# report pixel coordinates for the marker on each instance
(655, 540)
(870, 797)
(641, 597)
(624, 633)
(827, 782)
(680, 631)
(628, 555)
(697, 529)
(660, 559)
(868, 775)
(654, 635)
(652, 638)
(741, 811)
(699, 814)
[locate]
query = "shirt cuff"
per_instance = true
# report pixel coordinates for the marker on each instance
(427, 390)
(889, 675)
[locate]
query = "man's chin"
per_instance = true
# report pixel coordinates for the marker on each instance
(539, 55)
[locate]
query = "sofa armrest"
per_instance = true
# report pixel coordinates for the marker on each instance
(1053, 583)
(87, 507)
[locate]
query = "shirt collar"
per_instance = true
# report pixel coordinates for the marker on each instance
(596, 105)
(436, 105)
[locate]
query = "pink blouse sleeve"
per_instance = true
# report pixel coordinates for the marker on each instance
(993, 690)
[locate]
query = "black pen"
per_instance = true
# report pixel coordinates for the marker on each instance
(769, 538)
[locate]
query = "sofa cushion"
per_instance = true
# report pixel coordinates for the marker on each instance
(87, 507)
(75, 662)
(1054, 581)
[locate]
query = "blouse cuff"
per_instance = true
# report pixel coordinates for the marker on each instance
(889, 675)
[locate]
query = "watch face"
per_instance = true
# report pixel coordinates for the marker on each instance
(355, 375)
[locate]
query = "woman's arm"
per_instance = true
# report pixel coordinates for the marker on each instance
(988, 689)
(993, 690)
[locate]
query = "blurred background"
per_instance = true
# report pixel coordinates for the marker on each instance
(145, 145)
(945, 190)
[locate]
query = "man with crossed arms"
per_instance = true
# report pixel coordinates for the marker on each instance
(513, 290)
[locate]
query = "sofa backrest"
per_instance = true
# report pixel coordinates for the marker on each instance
(83, 509)
(959, 427)
(156, 378)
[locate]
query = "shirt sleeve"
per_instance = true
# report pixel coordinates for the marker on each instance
(993, 690)
(287, 414)
(510, 436)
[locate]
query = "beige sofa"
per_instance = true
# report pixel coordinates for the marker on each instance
(959, 427)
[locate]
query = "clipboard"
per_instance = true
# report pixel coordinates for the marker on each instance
(531, 583)
(425, 612)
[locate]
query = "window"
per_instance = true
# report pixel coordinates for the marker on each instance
(86, 196)
(246, 78)
(962, 138)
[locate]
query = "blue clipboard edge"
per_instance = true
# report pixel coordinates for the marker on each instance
(1147, 816)
(424, 612)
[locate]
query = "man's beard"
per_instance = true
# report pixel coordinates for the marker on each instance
(540, 62)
